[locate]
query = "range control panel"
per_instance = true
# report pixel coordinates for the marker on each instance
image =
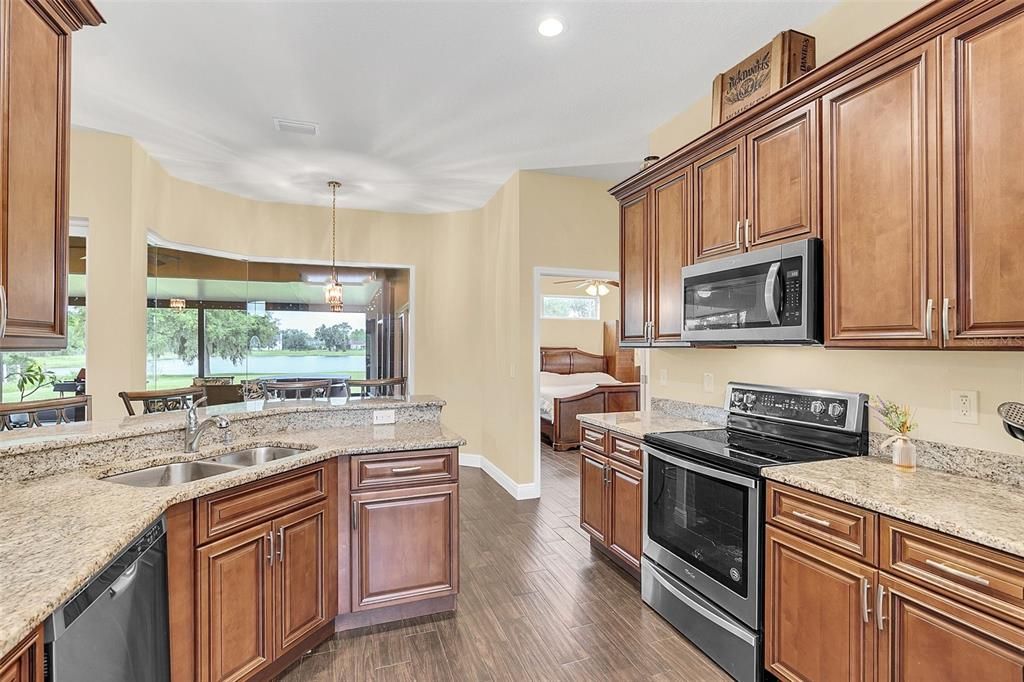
(816, 408)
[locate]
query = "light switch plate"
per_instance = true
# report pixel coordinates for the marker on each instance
(709, 382)
(964, 406)
(663, 377)
(383, 417)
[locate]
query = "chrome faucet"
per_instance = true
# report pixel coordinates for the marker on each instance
(194, 428)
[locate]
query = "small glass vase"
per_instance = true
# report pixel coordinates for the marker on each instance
(904, 454)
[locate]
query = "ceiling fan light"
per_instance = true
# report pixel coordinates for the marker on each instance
(602, 289)
(591, 289)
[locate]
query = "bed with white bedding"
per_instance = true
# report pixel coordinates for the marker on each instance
(575, 382)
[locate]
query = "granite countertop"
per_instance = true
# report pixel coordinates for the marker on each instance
(639, 424)
(58, 531)
(21, 441)
(980, 511)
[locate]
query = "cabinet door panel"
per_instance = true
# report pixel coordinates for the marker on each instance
(235, 595)
(634, 227)
(625, 507)
(814, 612)
(782, 172)
(881, 231)
(301, 583)
(33, 219)
(983, 188)
(718, 203)
(669, 253)
(593, 502)
(391, 526)
(927, 638)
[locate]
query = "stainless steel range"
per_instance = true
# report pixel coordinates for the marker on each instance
(703, 515)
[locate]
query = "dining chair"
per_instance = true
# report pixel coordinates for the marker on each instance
(45, 412)
(163, 400)
(297, 390)
(379, 388)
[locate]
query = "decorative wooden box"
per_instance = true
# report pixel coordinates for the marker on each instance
(786, 58)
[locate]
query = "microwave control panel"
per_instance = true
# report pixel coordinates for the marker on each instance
(792, 294)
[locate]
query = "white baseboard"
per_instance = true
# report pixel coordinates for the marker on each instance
(520, 491)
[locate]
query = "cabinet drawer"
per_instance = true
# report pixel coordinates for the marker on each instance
(990, 580)
(388, 470)
(231, 510)
(595, 438)
(843, 527)
(625, 449)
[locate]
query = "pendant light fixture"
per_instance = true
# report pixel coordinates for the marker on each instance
(332, 292)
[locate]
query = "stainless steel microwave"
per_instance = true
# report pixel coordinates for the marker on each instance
(768, 296)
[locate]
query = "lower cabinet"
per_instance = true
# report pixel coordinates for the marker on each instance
(424, 523)
(611, 499)
(831, 617)
(25, 662)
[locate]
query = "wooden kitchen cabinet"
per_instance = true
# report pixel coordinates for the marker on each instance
(424, 523)
(881, 214)
(625, 512)
(593, 497)
(719, 208)
(634, 249)
(235, 605)
(35, 93)
(809, 589)
(983, 189)
(301, 603)
(25, 662)
(783, 182)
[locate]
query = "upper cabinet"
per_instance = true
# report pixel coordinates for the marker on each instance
(880, 179)
(983, 186)
(634, 245)
(903, 155)
(35, 91)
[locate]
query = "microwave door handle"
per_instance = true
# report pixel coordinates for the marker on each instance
(771, 288)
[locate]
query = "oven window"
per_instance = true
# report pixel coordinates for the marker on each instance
(700, 519)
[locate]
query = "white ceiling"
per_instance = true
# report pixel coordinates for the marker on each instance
(423, 106)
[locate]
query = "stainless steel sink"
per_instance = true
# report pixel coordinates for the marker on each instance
(170, 474)
(252, 456)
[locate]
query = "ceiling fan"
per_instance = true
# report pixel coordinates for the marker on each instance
(593, 287)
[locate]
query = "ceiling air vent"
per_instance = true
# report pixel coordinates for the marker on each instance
(285, 125)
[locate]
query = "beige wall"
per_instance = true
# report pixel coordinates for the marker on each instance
(920, 378)
(473, 311)
(586, 335)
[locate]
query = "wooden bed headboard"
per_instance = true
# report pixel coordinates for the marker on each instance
(571, 361)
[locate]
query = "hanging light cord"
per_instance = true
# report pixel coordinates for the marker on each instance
(334, 230)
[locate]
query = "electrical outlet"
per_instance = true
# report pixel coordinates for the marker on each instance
(964, 406)
(663, 377)
(709, 382)
(383, 417)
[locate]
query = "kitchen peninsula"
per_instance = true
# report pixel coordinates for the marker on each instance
(348, 508)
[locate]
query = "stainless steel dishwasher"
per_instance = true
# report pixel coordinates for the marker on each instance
(115, 628)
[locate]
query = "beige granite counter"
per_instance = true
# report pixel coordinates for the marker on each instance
(57, 531)
(639, 424)
(984, 512)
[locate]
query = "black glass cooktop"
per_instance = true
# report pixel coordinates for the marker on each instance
(736, 450)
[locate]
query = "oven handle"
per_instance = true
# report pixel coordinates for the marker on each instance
(700, 469)
(771, 292)
(665, 580)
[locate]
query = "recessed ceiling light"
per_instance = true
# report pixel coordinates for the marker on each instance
(550, 27)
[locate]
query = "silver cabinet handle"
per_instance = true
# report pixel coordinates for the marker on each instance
(771, 288)
(270, 552)
(404, 470)
(812, 519)
(945, 319)
(746, 232)
(879, 613)
(355, 515)
(3, 311)
(865, 612)
(977, 579)
(929, 309)
(280, 544)
(739, 229)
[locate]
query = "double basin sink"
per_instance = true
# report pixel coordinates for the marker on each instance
(186, 472)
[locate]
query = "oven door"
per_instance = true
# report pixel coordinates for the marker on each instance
(770, 295)
(703, 525)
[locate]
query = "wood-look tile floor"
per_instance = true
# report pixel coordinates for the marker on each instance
(536, 603)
